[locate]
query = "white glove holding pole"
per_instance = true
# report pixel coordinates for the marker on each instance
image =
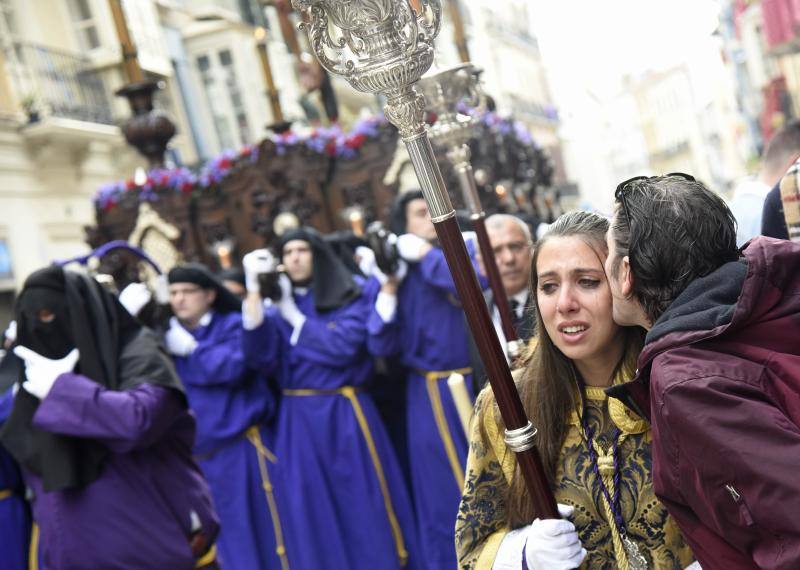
(254, 263)
(287, 306)
(179, 341)
(411, 247)
(41, 372)
(134, 297)
(553, 544)
(368, 264)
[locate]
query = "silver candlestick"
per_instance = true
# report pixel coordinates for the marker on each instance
(385, 46)
(444, 91)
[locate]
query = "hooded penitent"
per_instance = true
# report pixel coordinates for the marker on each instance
(331, 281)
(56, 311)
(198, 274)
(344, 244)
(397, 216)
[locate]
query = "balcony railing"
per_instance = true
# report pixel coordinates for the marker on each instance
(59, 84)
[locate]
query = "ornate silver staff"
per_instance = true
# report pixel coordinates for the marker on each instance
(385, 46)
(443, 92)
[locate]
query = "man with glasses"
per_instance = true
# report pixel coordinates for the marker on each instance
(719, 374)
(232, 403)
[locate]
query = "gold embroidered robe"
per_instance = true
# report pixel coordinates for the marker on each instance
(481, 523)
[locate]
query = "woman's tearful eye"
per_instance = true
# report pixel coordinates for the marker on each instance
(548, 288)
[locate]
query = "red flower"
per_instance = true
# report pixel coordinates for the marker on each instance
(356, 142)
(330, 148)
(187, 187)
(225, 163)
(108, 206)
(130, 184)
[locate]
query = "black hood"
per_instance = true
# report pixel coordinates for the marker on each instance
(397, 216)
(344, 244)
(331, 282)
(116, 351)
(200, 275)
(705, 305)
(703, 309)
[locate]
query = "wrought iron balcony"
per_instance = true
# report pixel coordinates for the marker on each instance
(55, 83)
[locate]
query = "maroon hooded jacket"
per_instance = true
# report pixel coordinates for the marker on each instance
(722, 369)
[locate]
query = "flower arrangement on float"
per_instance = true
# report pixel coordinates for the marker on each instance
(329, 141)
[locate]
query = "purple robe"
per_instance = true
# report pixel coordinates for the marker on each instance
(15, 518)
(137, 515)
(428, 333)
(340, 516)
(233, 403)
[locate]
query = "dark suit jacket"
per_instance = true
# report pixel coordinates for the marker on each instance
(526, 330)
(773, 223)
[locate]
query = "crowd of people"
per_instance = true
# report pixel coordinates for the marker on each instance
(316, 427)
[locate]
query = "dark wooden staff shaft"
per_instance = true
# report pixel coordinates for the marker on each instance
(495, 281)
(480, 323)
(466, 179)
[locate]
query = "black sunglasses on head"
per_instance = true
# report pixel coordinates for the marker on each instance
(619, 193)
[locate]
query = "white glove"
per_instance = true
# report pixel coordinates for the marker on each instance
(553, 544)
(287, 306)
(179, 341)
(42, 372)
(409, 246)
(402, 270)
(134, 297)
(693, 566)
(162, 289)
(11, 331)
(256, 262)
(369, 266)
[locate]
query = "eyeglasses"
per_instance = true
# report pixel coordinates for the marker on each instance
(619, 193)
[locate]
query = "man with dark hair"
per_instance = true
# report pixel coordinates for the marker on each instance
(233, 404)
(420, 319)
(720, 370)
(782, 150)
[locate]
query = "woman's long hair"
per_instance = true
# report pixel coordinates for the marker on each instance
(547, 384)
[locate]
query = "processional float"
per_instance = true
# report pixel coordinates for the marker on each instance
(385, 46)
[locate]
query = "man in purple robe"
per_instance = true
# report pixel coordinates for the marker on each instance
(347, 501)
(233, 404)
(420, 319)
(102, 431)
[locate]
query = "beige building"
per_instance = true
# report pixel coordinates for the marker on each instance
(501, 41)
(60, 64)
(690, 123)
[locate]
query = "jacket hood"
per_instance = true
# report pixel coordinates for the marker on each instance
(760, 287)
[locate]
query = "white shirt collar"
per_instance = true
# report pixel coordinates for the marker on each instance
(521, 297)
(205, 320)
(522, 300)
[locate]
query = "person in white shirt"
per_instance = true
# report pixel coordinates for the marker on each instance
(749, 196)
